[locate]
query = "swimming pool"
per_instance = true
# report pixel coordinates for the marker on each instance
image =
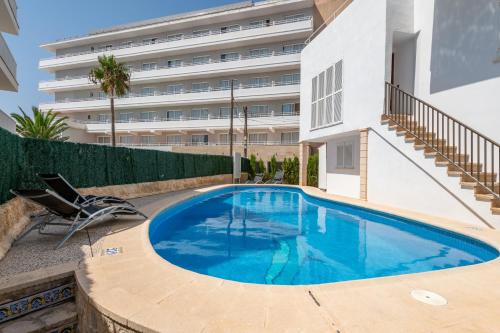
(282, 236)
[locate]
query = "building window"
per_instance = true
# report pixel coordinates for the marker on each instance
(127, 139)
(327, 87)
(174, 140)
(175, 89)
(288, 109)
(198, 114)
(201, 33)
(201, 60)
(199, 86)
(230, 28)
(257, 138)
(174, 37)
(288, 79)
(199, 139)
(289, 138)
(127, 44)
(345, 155)
(104, 118)
(229, 56)
(174, 115)
(148, 116)
(174, 63)
(224, 139)
(293, 48)
(258, 111)
(225, 112)
(258, 82)
(125, 117)
(148, 139)
(103, 140)
(226, 84)
(259, 53)
(148, 91)
(149, 66)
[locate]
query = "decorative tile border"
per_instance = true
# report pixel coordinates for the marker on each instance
(36, 302)
(68, 328)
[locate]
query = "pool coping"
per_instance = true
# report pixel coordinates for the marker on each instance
(113, 285)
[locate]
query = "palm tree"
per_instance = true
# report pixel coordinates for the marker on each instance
(44, 125)
(114, 79)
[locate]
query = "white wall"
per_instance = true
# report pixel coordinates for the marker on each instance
(345, 182)
(455, 68)
(7, 122)
(357, 37)
(400, 176)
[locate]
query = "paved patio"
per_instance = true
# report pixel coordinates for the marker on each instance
(140, 290)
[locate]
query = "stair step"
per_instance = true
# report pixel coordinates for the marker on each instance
(495, 210)
(484, 197)
(421, 145)
(474, 167)
(468, 185)
(458, 157)
(414, 130)
(43, 321)
(483, 177)
(450, 150)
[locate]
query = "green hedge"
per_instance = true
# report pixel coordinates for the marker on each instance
(86, 165)
(245, 165)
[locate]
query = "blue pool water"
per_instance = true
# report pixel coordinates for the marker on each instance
(277, 235)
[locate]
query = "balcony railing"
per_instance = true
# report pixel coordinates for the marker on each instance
(185, 37)
(7, 57)
(191, 64)
(202, 144)
(184, 118)
(180, 92)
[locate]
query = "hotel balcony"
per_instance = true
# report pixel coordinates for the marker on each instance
(274, 90)
(268, 122)
(8, 68)
(275, 31)
(272, 62)
(8, 17)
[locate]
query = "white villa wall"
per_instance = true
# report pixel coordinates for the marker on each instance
(400, 176)
(357, 37)
(455, 67)
(345, 182)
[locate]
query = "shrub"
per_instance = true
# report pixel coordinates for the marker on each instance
(312, 170)
(291, 170)
(261, 167)
(273, 166)
(253, 166)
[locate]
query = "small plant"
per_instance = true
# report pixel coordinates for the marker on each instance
(312, 170)
(253, 166)
(261, 167)
(44, 125)
(291, 170)
(273, 166)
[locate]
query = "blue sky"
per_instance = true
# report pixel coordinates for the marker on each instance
(48, 20)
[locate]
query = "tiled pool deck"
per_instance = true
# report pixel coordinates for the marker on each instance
(139, 289)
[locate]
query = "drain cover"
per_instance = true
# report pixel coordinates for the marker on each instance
(112, 251)
(428, 297)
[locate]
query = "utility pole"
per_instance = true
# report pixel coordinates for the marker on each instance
(245, 132)
(231, 121)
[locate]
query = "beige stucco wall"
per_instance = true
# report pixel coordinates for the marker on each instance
(264, 152)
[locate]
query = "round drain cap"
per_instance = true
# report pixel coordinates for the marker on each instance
(428, 297)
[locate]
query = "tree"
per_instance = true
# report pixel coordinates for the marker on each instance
(114, 79)
(44, 125)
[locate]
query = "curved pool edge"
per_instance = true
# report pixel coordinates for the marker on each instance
(113, 302)
(475, 233)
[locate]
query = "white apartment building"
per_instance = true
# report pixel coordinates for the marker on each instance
(401, 98)
(182, 67)
(8, 24)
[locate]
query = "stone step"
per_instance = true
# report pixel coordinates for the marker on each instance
(450, 149)
(50, 319)
(458, 158)
(419, 145)
(484, 197)
(474, 167)
(483, 177)
(495, 210)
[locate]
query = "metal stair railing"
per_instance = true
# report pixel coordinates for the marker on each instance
(473, 154)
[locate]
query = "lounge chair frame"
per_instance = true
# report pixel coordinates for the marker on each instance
(81, 219)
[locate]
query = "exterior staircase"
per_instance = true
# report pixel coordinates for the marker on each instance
(469, 156)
